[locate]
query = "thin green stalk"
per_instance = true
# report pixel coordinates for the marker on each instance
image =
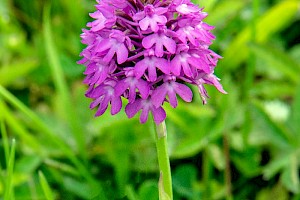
(8, 193)
(61, 85)
(165, 183)
(227, 167)
(249, 77)
(45, 186)
(207, 170)
(5, 142)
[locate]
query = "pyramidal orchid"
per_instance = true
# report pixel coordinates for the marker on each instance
(146, 51)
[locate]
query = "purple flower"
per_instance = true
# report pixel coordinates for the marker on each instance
(146, 51)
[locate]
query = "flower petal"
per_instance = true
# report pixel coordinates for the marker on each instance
(140, 68)
(159, 114)
(132, 108)
(122, 53)
(158, 96)
(183, 91)
(116, 105)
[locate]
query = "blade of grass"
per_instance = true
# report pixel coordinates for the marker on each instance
(20, 130)
(8, 194)
(40, 126)
(21, 68)
(45, 186)
(61, 85)
(295, 116)
(5, 141)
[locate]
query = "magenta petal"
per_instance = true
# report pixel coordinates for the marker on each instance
(163, 65)
(170, 44)
(172, 99)
(149, 41)
(187, 69)
(95, 103)
(143, 88)
(132, 94)
(103, 45)
(132, 108)
(183, 91)
(116, 105)
(159, 115)
(120, 87)
(159, 49)
(110, 54)
(140, 69)
(153, 26)
(144, 115)
(158, 96)
(144, 23)
(152, 73)
(176, 65)
(103, 106)
(122, 54)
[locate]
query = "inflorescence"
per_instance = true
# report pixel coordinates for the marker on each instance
(145, 51)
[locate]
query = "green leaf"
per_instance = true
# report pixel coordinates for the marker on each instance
(268, 24)
(290, 175)
(184, 178)
(265, 128)
(275, 166)
(83, 189)
(295, 117)
(8, 194)
(276, 59)
(19, 69)
(28, 164)
(148, 191)
(217, 156)
(45, 186)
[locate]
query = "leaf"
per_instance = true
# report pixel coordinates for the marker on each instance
(28, 164)
(148, 191)
(290, 175)
(8, 193)
(295, 117)
(277, 60)
(275, 166)
(84, 189)
(268, 24)
(248, 161)
(269, 130)
(217, 156)
(183, 179)
(8, 74)
(45, 186)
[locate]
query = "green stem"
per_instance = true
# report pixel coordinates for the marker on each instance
(163, 161)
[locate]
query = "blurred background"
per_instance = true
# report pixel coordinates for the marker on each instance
(243, 145)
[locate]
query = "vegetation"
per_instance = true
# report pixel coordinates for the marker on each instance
(243, 145)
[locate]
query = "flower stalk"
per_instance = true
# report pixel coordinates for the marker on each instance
(163, 161)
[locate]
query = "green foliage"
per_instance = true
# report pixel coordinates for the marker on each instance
(243, 145)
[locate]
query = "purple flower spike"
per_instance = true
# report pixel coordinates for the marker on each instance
(145, 51)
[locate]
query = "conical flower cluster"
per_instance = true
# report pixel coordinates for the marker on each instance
(145, 51)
